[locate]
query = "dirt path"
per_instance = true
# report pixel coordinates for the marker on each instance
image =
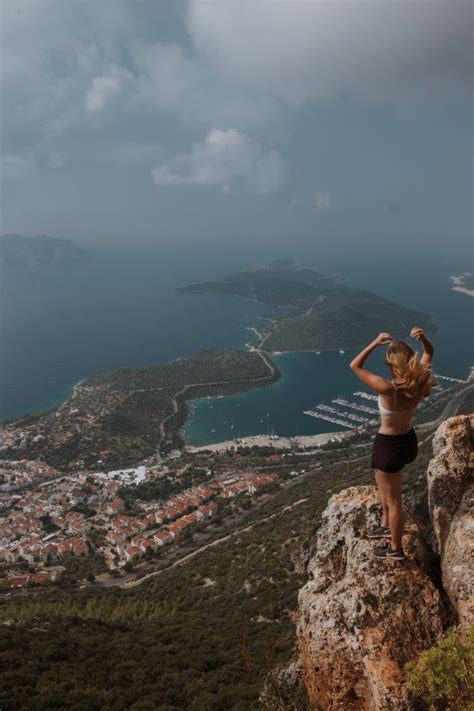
(217, 542)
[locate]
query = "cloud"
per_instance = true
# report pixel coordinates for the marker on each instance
(166, 77)
(222, 63)
(323, 200)
(305, 51)
(57, 161)
(227, 160)
(104, 88)
(13, 166)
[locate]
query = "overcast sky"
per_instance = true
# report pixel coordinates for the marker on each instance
(263, 120)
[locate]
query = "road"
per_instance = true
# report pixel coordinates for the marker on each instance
(451, 407)
(217, 542)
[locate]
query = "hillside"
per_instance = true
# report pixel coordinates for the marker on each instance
(43, 251)
(315, 311)
(121, 416)
(201, 635)
(280, 283)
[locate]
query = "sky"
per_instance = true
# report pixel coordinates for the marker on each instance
(257, 121)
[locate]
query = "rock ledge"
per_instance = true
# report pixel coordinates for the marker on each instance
(360, 619)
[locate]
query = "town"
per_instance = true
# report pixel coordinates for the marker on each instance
(90, 525)
(50, 518)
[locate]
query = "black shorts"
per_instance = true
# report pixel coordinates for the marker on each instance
(390, 453)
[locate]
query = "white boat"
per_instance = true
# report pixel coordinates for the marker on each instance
(212, 430)
(341, 351)
(318, 352)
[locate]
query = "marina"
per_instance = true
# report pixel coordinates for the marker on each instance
(314, 395)
(345, 417)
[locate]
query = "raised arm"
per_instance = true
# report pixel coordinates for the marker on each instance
(375, 382)
(428, 348)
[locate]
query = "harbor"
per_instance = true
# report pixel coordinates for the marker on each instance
(343, 415)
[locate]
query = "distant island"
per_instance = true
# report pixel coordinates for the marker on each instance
(119, 417)
(315, 311)
(463, 283)
(17, 251)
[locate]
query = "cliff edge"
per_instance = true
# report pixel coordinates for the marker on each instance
(360, 619)
(451, 505)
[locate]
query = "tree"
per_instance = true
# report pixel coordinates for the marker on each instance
(442, 675)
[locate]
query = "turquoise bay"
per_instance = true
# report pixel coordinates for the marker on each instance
(306, 379)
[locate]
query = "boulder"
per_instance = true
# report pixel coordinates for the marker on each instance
(361, 619)
(451, 504)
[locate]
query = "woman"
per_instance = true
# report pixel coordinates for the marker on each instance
(395, 443)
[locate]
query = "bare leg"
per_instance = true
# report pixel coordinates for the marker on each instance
(391, 486)
(383, 500)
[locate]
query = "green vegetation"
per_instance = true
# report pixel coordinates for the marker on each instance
(316, 311)
(95, 607)
(119, 417)
(84, 509)
(281, 283)
(164, 487)
(79, 567)
(347, 318)
(48, 524)
(442, 678)
(207, 625)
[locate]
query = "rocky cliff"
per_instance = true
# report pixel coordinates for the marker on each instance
(451, 504)
(359, 619)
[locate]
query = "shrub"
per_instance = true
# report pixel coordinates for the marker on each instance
(441, 678)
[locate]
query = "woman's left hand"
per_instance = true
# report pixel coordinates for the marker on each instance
(417, 332)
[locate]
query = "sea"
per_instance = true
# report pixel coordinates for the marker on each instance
(60, 325)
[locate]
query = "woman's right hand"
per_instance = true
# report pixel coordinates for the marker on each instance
(383, 338)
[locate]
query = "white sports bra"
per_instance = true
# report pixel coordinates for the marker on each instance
(385, 411)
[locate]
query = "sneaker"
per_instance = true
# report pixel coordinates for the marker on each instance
(389, 553)
(380, 532)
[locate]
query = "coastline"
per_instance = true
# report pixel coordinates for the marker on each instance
(261, 440)
(463, 290)
(458, 285)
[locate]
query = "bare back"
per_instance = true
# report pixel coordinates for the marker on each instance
(396, 412)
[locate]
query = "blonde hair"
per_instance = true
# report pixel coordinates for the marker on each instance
(414, 379)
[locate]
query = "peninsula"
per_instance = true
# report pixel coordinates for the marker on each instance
(119, 417)
(21, 252)
(314, 310)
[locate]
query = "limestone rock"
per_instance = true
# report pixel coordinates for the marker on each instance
(451, 503)
(360, 619)
(450, 473)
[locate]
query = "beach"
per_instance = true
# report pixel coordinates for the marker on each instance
(458, 285)
(301, 441)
